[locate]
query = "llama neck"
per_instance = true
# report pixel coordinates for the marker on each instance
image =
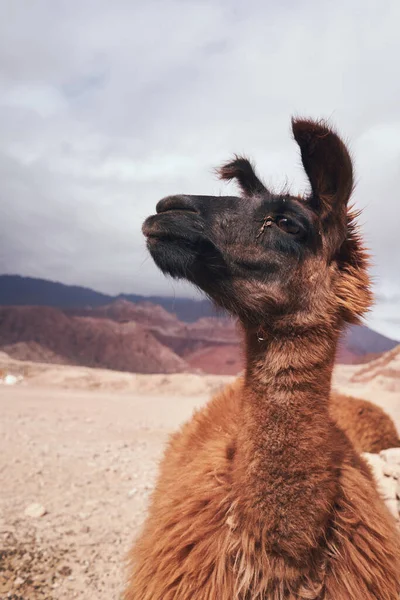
(292, 369)
(287, 445)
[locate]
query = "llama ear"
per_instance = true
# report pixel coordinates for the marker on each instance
(242, 170)
(327, 163)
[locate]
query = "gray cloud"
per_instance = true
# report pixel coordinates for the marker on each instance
(106, 107)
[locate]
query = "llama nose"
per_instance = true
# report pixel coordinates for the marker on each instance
(181, 202)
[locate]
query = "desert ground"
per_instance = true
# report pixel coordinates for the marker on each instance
(79, 449)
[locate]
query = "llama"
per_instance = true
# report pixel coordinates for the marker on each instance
(366, 425)
(260, 495)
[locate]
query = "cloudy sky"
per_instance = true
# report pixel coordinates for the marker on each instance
(105, 107)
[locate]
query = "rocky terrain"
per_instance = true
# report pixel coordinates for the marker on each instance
(34, 332)
(79, 449)
(46, 321)
(143, 337)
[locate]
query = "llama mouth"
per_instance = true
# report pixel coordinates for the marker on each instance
(163, 238)
(172, 226)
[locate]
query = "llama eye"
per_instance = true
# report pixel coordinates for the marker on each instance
(288, 225)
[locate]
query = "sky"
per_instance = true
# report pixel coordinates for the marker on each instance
(106, 107)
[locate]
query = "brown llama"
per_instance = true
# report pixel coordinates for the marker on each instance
(366, 425)
(260, 495)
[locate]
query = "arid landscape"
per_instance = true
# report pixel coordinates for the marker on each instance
(90, 389)
(79, 450)
(162, 163)
(44, 321)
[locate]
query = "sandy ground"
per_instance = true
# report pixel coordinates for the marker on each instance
(89, 459)
(84, 446)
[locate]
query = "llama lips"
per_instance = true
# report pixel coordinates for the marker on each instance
(154, 230)
(172, 225)
(149, 228)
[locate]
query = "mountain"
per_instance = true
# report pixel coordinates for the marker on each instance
(16, 290)
(121, 310)
(45, 333)
(28, 291)
(361, 340)
(383, 372)
(210, 344)
(158, 334)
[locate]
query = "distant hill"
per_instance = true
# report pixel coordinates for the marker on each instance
(28, 291)
(43, 333)
(384, 371)
(363, 340)
(132, 332)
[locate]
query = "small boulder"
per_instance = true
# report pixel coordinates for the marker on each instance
(391, 470)
(35, 511)
(387, 488)
(391, 455)
(376, 463)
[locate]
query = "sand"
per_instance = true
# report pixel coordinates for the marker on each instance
(79, 450)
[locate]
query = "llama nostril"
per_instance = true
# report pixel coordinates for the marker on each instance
(172, 203)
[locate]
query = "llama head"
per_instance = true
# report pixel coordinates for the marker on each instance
(263, 255)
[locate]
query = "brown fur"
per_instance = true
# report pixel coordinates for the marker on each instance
(366, 425)
(261, 496)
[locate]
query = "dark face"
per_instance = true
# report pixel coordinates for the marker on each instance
(257, 255)
(232, 246)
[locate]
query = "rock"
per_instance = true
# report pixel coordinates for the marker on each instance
(132, 492)
(35, 511)
(18, 582)
(65, 571)
(391, 470)
(391, 455)
(376, 463)
(10, 379)
(387, 488)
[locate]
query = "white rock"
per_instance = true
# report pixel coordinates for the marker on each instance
(391, 470)
(391, 455)
(19, 581)
(35, 511)
(387, 488)
(375, 462)
(11, 379)
(132, 492)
